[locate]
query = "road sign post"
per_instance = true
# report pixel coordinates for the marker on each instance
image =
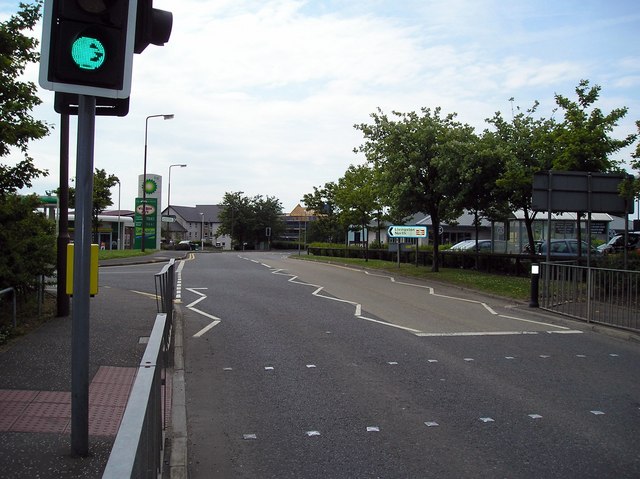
(402, 231)
(81, 311)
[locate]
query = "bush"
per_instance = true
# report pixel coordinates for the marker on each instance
(27, 242)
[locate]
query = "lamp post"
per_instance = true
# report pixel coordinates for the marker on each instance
(169, 191)
(144, 174)
(202, 232)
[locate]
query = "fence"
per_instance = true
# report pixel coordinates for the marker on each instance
(606, 296)
(137, 450)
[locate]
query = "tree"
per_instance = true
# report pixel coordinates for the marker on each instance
(246, 219)
(418, 155)
(357, 196)
(327, 226)
(27, 238)
(480, 167)
(102, 184)
(27, 242)
(17, 98)
(267, 213)
(526, 146)
(584, 137)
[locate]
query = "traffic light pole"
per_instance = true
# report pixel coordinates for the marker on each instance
(81, 278)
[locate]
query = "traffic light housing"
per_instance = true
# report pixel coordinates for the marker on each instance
(152, 26)
(87, 47)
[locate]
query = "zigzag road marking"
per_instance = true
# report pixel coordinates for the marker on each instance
(358, 307)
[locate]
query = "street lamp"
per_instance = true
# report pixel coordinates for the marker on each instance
(202, 232)
(169, 189)
(144, 174)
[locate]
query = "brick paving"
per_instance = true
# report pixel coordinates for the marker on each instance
(50, 411)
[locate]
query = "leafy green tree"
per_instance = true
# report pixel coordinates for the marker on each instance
(526, 146)
(584, 138)
(418, 155)
(358, 198)
(102, 199)
(322, 201)
(27, 238)
(481, 164)
(27, 242)
(236, 217)
(267, 213)
(18, 98)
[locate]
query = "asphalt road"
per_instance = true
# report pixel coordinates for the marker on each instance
(315, 371)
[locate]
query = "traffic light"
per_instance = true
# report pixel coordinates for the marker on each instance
(87, 46)
(152, 26)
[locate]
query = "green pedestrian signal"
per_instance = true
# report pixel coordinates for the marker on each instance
(87, 47)
(88, 53)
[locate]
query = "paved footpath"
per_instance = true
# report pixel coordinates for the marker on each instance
(35, 384)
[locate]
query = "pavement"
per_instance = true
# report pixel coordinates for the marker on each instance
(35, 385)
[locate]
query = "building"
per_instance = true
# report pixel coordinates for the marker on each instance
(296, 224)
(194, 223)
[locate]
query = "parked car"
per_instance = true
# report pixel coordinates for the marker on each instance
(186, 245)
(564, 247)
(484, 246)
(616, 244)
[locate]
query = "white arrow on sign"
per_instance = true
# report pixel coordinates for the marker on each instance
(407, 231)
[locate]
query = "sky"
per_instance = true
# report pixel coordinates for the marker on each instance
(265, 93)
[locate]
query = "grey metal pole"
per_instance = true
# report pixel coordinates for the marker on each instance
(144, 186)
(62, 299)
(81, 278)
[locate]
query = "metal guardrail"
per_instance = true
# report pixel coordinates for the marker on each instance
(137, 450)
(15, 308)
(604, 296)
(165, 288)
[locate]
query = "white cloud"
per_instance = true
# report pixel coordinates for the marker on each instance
(265, 92)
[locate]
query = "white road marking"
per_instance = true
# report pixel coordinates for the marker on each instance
(373, 429)
(358, 307)
(215, 320)
(431, 424)
(486, 419)
(149, 295)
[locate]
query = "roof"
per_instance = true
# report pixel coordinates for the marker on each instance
(191, 214)
(299, 211)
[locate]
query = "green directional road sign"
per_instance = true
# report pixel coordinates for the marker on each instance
(407, 231)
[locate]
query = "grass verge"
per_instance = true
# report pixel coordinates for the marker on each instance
(122, 253)
(511, 287)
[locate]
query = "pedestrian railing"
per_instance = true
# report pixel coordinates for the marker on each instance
(605, 296)
(138, 447)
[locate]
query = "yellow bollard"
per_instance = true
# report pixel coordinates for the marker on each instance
(93, 284)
